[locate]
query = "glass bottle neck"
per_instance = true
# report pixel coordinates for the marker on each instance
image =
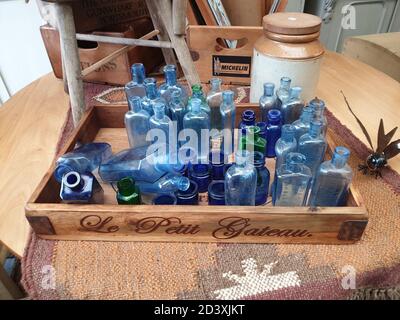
(135, 104)
(340, 157)
(215, 85)
(138, 73)
(268, 90)
(151, 91)
(170, 76)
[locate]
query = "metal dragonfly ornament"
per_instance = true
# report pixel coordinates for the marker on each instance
(385, 150)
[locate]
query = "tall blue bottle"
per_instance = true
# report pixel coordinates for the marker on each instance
(152, 96)
(283, 93)
(241, 181)
(263, 177)
(136, 86)
(177, 110)
(302, 126)
(214, 100)
(136, 123)
(318, 107)
(228, 115)
(273, 131)
(198, 121)
(292, 108)
(267, 101)
(313, 146)
(161, 122)
(83, 159)
(292, 182)
(170, 84)
(168, 183)
(80, 188)
(332, 181)
(285, 144)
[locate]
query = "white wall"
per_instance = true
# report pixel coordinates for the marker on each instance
(23, 57)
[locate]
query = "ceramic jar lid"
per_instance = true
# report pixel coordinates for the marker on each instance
(292, 23)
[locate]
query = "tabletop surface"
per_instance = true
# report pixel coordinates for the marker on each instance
(31, 121)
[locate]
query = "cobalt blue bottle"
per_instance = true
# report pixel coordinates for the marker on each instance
(217, 161)
(285, 144)
(171, 84)
(136, 86)
(164, 199)
(189, 196)
(83, 159)
(267, 100)
(80, 188)
(136, 123)
(216, 193)
(200, 173)
(248, 119)
(263, 177)
(273, 131)
(228, 115)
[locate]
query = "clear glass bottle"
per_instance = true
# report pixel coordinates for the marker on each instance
(128, 192)
(199, 121)
(241, 181)
(83, 159)
(273, 131)
(136, 86)
(285, 144)
(267, 100)
(292, 108)
(197, 93)
(313, 146)
(214, 100)
(152, 96)
(332, 181)
(136, 123)
(318, 107)
(170, 84)
(80, 188)
(283, 93)
(161, 121)
(263, 177)
(228, 115)
(302, 126)
(292, 182)
(168, 183)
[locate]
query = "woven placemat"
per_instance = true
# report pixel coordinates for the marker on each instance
(144, 270)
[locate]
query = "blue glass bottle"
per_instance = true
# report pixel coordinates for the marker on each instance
(267, 100)
(248, 119)
(136, 123)
(80, 188)
(283, 93)
(200, 173)
(164, 199)
(228, 115)
(273, 131)
(263, 177)
(83, 159)
(263, 129)
(216, 193)
(214, 100)
(313, 146)
(286, 144)
(170, 84)
(141, 164)
(318, 107)
(292, 108)
(198, 121)
(161, 122)
(189, 196)
(241, 181)
(128, 192)
(217, 161)
(136, 86)
(169, 183)
(332, 181)
(152, 97)
(302, 126)
(292, 182)
(177, 109)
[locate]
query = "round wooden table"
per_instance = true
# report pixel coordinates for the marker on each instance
(30, 124)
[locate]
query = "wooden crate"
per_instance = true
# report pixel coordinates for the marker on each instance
(51, 219)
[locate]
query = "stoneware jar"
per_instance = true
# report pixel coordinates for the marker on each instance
(290, 48)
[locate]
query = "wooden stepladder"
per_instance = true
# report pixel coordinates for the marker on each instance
(169, 20)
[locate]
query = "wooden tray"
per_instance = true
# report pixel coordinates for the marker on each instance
(51, 219)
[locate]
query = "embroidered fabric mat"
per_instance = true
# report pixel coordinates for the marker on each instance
(144, 270)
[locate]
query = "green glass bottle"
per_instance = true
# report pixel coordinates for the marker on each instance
(252, 139)
(197, 92)
(128, 193)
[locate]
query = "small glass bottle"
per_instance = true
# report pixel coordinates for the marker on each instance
(200, 173)
(313, 146)
(136, 123)
(285, 144)
(248, 119)
(189, 196)
(128, 192)
(292, 108)
(170, 84)
(273, 131)
(165, 199)
(160, 121)
(263, 177)
(283, 93)
(81, 188)
(228, 115)
(177, 109)
(252, 140)
(241, 181)
(292, 182)
(136, 86)
(217, 160)
(332, 181)
(267, 100)
(197, 93)
(318, 107)
(214, 100)
(83, 159)
(302, 126)
(216, 193)
(198, 121)
(152, 96)
(169, 183)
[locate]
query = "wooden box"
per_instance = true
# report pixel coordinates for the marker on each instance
(116, 71)
(51, 219)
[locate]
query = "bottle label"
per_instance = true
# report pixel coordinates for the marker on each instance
(231, 66)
